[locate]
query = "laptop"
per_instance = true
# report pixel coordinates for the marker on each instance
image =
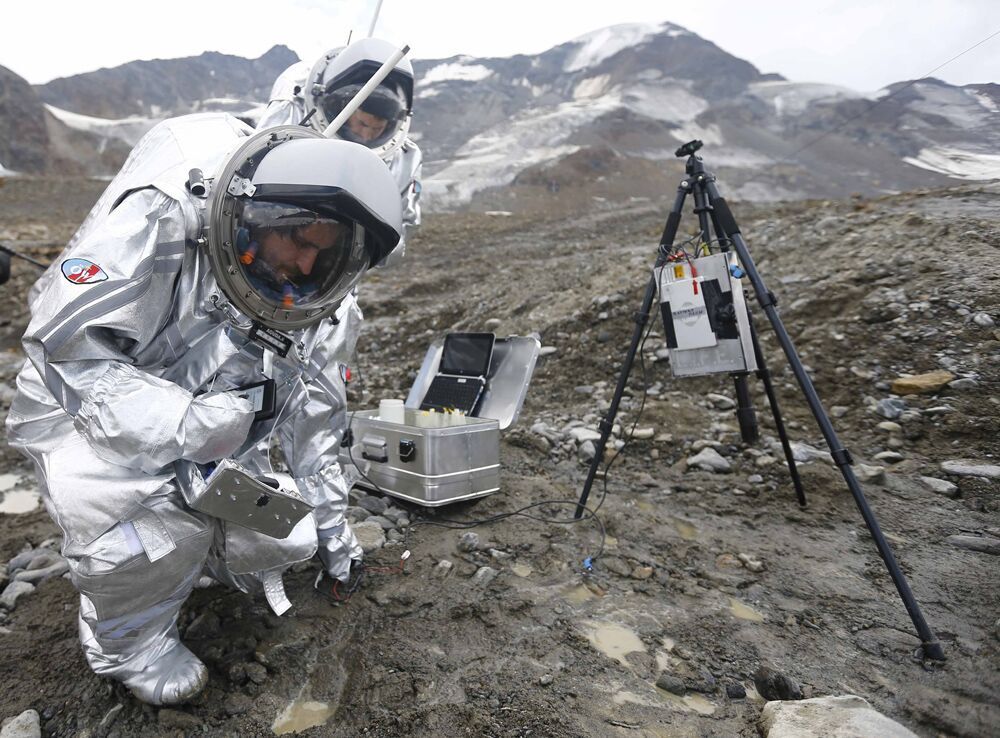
(461, 377)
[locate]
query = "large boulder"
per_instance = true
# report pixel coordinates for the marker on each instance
(846, 716)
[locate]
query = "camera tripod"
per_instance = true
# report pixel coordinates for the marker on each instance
(711, 206)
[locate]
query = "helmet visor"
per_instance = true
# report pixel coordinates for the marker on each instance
(379, 118)
(294, 257)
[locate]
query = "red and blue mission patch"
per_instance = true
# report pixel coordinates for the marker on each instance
(81, 271)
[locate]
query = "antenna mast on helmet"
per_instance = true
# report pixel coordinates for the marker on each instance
(371, 28)
(365, 91)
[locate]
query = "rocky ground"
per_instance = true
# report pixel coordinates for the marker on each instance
(713, 590)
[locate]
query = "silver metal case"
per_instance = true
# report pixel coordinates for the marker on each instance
(433, 459)
(700, 340)
(234, 495)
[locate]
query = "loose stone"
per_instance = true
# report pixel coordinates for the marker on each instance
(25, 725)
(469, 542)
(671, 683)
(941, 486)
(982, 544)
(484, 575)
(823, 717)
(371, 536)
(964, 468)
(710, 460)
(13, 592)
(773, 685)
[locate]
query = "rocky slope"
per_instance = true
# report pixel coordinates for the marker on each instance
(162, 87)
(713, 590)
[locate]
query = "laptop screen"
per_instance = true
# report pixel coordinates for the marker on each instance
(467, 354)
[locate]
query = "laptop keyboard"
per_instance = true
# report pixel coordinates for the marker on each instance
(448, 393)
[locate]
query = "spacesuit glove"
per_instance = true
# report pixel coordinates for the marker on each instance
(338, 548)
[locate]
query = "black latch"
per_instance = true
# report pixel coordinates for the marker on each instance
(407, 450)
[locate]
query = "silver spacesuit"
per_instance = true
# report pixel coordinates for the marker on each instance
(144, 333)
(327, 84)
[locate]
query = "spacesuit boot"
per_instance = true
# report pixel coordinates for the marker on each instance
(133, 581)
(153, 664)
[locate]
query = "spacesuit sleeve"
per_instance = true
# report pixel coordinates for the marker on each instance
(311, 442)
(407, 168)
(280, 113)
(411, 195)
(84, 334)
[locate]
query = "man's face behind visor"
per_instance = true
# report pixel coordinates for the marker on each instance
(293, 252)
(295, 257)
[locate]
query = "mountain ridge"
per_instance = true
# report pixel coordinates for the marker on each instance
(622, 98)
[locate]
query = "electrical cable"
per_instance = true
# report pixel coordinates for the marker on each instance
(638, 417)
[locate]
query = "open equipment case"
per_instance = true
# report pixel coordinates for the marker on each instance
(435, 458)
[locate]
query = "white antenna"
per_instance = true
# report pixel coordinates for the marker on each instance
(365, 91)
(371, 29)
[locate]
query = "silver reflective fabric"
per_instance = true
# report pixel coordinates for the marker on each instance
(287, 106)
(127, 389)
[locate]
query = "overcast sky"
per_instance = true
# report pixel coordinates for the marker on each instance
(862, 44)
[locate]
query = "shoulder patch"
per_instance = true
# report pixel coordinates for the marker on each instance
(81, 271)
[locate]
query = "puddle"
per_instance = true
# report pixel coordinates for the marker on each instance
(577, 594)
(14, 501)
(686, 530)
(19, 501)
(691, 702)
(300, 715)
(623, 696)
(613, 640)
(744, 612)
(522, 570)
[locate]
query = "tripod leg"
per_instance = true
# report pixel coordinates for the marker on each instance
(641, 318)
(931, 645)
(765, 376)
(746, 416)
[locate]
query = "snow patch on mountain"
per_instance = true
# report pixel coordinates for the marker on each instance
(591, 87)
(987, 102)
(792, 98)
(962, 108)
(129, 130)
(597, 46)
(669, 102)
(496, 156)
(957, 163)
(710, 135)
(456, 71)
(5, 172)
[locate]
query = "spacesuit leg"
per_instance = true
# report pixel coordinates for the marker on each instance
(133, 581)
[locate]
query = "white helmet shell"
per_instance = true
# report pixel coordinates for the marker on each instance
(344, 70)
(295, 221)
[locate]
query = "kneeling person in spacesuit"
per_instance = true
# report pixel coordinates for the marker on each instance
(145, 333)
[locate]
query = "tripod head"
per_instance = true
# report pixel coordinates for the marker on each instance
(693, 166)
(688, 149)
